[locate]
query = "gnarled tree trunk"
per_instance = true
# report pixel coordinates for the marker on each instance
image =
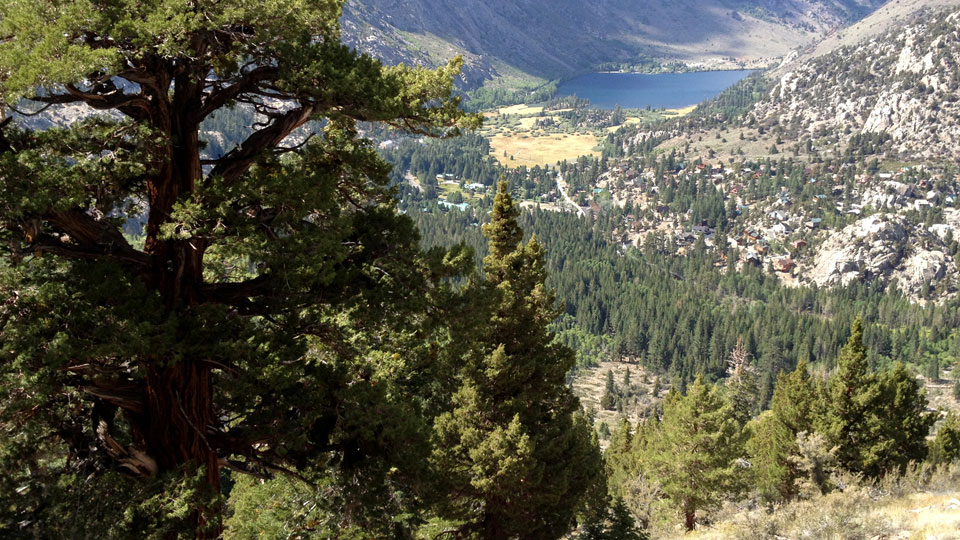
(178, 412)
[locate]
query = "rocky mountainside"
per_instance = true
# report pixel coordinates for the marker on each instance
(886, 247)
(890, 16)
(877, 103)
(556, 38)
(902, 84)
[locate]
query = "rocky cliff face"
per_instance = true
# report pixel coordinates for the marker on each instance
(885, 247)
(903, 84)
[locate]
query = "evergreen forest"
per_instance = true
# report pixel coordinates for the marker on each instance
(257, 284)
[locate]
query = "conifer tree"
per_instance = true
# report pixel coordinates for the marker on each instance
(609, 399)
(850, 393)
(695, 454)
(770, 446)
(620, 457)
(628, 477)
(615, 524)
(795, 402)
(945, 448)
(742, 389)
(900, 423)
(773, 445)
(272, 315)
(877, 422)
(520, 457)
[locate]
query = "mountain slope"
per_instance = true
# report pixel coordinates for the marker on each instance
(890, 16)
(558, 38)
(887, 86)
(902, 84)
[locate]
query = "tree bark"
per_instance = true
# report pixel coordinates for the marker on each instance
(179, 409)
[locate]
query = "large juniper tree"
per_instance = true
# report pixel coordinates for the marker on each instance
(267, 318)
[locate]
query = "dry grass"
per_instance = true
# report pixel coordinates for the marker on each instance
(446, 190)
(925, 515)
(550, 207)
(913, 507)
(630, 121)
(521, 110)
(545, 149)
(845, 516)
(527, 122)
(590, 383)
(680, 112)
(727, 144)
(940, 393)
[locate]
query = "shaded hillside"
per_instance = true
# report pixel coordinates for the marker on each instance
(886, 86)
(559, 38)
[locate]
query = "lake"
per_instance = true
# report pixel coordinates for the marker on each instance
(637, 90)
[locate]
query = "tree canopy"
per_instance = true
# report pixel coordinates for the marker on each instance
(274, 313)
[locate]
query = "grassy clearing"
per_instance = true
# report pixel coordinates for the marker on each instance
(550, 207)
(679, 112)
(940, 393)
(512, 130)
(527, 123)
(630, 121)
(725, 145)
(520, 110)
(544, 149)
(445, 190)
(847, 515)
(589, 386)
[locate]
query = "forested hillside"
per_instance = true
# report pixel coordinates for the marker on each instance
(681, 316)
(255, 283)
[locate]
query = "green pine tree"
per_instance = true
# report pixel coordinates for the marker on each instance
(615, 524)
(945, 448)
(933, 369)
(772, 446)
(876, 422)
(850, 393)
(695, 454)
(742, 389)
(900, 422)
(795, 401)
(609, 399)
(520, 457)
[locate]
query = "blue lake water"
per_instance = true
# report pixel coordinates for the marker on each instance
(637, 90)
